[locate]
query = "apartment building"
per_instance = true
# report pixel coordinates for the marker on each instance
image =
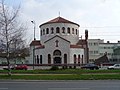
(97, 48)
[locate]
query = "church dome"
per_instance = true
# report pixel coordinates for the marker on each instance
(61, 27)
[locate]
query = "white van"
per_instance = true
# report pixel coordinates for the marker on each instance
(115, 66)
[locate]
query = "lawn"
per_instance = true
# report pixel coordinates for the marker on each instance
(64, 74)
(63, 77)
(61, 71)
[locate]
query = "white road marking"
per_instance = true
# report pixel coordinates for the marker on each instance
(3, 88)
(68, 88)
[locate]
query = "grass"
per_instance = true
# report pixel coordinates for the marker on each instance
(62, 71)
(64, 74)
(63, 77)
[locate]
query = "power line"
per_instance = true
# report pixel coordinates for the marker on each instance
(102, 27)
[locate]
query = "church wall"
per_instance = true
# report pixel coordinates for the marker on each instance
(31, 53)
(40, 52)
(50, 47)
(76, 51)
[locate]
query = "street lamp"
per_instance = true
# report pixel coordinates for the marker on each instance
(33, 22)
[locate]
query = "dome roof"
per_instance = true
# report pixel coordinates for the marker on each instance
(59, 20)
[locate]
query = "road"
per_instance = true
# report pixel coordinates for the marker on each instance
(60, 85)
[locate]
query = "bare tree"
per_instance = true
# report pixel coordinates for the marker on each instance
(11, 31)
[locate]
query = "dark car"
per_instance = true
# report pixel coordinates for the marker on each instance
(90, 66)
(21, 67)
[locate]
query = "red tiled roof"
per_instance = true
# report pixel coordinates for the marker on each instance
(76, 46)
(59, 20)
(57, 36)
(35, 43)
(40, 47)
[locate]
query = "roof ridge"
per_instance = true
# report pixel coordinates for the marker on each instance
(59, 20)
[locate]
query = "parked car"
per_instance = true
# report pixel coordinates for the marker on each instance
(21, 67)
(90, 66)
(11, 67)
(115, 66)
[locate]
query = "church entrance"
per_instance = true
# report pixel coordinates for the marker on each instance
(57, 60)
(57, 57)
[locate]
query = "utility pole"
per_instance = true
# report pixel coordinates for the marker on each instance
(33, 22)
(87, 49)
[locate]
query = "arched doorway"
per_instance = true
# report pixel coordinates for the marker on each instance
(57, 57)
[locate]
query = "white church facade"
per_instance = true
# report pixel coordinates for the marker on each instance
(59, 45)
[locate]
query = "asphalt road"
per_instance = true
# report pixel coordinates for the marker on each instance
(60, 85)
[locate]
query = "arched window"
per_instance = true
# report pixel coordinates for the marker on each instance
(79, 58)
(37, 59)
(57, 30)
(65, 58)
(57, 52)
(43, 31)
(49, 59)
(82, 59)
(47, 30)
(72, 30)
(74, 58)
(40, 59)
(76, 31)
(68, 30)
(63, 29)
(52, 30)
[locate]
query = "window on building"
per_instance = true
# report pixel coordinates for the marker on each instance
(68, 30)
(82, 60)
(65, 58)
(47, 30)
(90, 52)
(79, 59)
(76, 32)
(95, 52)
(57, 30)
(74, 57)
(43, 31)
(49, 59)
(63, 29)
(52, 30)
(57, 52)
(40, 59)
(72, 30)
(37, 59)
(95, 44)
(90, 44)
(101, 53)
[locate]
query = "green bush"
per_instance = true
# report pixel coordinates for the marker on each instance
(54, 68)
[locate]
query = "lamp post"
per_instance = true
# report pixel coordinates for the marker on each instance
(33, 22)
(87, 49)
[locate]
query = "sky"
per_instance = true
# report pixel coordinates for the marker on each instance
(100, 17)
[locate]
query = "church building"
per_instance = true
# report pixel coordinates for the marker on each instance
(59, 44)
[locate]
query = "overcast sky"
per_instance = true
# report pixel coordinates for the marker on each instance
(100, 17)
